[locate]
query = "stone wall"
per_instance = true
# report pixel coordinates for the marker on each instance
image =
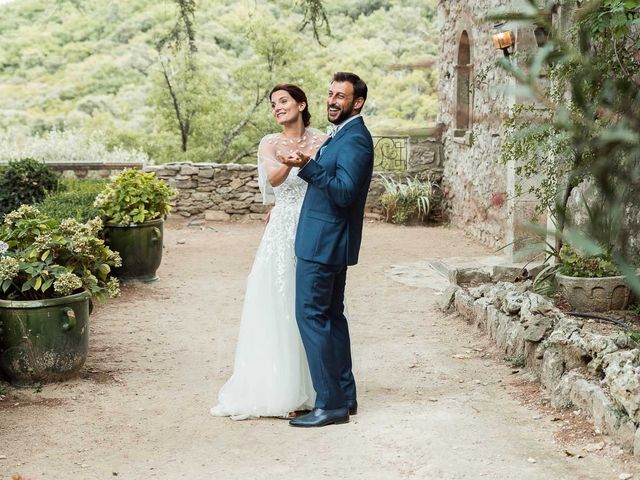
(479, 189)
(475, 182)
(586, 194)
(216, 191)
(591, 370)
(230, 191)
(98, 170)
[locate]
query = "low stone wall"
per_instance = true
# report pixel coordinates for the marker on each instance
(216, 191)
(598, 373)
(230, 191)
(97, 170)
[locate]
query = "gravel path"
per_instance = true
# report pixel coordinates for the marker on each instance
(434, 402)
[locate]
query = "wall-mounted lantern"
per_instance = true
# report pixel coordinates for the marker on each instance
(503, 39)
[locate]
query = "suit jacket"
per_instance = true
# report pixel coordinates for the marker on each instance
(330, 226)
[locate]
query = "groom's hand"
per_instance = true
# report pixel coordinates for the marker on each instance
(299, 159)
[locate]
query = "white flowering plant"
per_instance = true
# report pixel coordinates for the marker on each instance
(71, 146)
(41, 257)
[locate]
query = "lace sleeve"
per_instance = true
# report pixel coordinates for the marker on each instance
(317, 133)
(266, 159)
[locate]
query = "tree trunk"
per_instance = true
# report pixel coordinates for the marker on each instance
(183, 124)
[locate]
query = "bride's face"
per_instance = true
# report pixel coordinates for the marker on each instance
(284, 108)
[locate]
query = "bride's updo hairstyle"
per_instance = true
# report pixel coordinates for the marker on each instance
(298, 95)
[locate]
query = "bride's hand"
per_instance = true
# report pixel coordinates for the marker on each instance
(297, 160)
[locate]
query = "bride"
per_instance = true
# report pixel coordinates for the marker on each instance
(270, 374)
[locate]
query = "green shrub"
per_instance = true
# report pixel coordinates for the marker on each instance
(134, 197)
(43, 258)
(25, 181)
(403, 201)
(574, 264)
(73, 199)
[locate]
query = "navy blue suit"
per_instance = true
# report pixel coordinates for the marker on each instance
(327, 241)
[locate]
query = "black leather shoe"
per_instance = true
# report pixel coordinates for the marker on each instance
(353, 408)
(319, 418)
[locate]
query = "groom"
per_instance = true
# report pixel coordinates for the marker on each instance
(327, 241)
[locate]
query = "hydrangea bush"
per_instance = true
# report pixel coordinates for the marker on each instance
(43, 258)
(134, 197)
(65, 146)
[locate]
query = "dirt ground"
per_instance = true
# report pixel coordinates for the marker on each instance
(436, 401)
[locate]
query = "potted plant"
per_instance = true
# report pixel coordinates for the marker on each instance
(407, 201)
(49, 270)
(591, 283)
(134, 206)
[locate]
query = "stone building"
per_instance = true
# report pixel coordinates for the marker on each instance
(474, 101)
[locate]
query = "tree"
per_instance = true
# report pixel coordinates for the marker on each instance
(237, 118)
(316, 16)
(176, 53)
(592, 108)
(99, 69)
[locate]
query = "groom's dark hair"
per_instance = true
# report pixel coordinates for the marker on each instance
(298, 95)
(359, 87)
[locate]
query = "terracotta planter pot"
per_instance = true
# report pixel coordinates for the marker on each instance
(594, 294)
(44, 340)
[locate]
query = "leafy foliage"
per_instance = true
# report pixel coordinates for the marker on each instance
(43, 258)
(25, 181)
(65, 146)
(98, 69)
(575, 264)
(316, 16)
(592, 105)
(537, 150)
(180, 45)
(409, 199)
(73, 199)
(134, 197)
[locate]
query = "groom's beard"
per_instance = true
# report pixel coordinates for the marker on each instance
(344, 114)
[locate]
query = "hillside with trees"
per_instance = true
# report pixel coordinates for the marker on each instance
(125, 69)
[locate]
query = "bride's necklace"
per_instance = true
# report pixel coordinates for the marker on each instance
(292, 140)
(299, 142)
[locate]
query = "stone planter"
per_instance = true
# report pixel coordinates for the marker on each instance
(594, 294)
(44, 340)
(140, 246)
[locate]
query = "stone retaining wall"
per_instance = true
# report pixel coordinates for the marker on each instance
(95, 170)
(218, 191)
(597, 373)
(230, 191)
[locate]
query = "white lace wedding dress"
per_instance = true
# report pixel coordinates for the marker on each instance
(271, 375)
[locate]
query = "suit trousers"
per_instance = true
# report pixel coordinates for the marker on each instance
(325, 332)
